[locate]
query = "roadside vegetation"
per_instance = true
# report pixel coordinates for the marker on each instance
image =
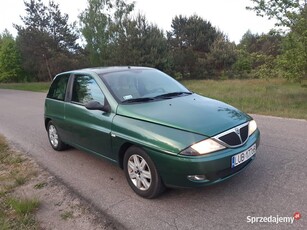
(248, 75)
(113, 33)
(15, 212)
(31, 198)
(275, 97)
(28, 86)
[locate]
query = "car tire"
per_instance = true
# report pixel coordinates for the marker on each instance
(141, 173)
(54, 137)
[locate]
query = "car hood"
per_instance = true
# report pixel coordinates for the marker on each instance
(193, 113)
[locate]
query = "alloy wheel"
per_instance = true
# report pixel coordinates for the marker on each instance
(139, 172)
(53, 136)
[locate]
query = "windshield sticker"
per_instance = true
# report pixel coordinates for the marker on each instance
(127, 97)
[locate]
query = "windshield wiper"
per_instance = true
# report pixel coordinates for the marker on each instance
(146, 99)
(173, 94)
(140, 99)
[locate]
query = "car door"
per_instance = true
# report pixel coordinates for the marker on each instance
(88, 129)
(55, 102)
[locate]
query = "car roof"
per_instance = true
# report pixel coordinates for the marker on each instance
(110, 69)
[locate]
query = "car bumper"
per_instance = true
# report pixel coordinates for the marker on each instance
(215, 167)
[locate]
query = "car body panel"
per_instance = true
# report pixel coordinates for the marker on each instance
(150, 135)
(91, 129)
(192, 113)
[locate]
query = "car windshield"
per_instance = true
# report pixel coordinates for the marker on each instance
(142, 85)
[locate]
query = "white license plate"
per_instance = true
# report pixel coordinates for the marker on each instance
(242, 157)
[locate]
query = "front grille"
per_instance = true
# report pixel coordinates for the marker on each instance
(231, 139)
(234, 137)
(244, 133)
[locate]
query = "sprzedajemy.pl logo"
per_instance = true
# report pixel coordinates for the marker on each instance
(273, 219)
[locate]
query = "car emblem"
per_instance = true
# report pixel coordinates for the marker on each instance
(237, 131)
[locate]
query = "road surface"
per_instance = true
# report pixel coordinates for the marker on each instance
(273, 186)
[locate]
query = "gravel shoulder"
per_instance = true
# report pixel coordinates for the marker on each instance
(60, 207)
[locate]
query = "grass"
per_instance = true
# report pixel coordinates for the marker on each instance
(40, 185)
(67, 215)
(15, 213)
(32, 86)
(23, 206)
(275, 97)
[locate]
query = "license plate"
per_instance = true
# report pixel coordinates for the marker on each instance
(242, 157)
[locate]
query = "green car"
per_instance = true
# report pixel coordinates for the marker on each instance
(160, 133)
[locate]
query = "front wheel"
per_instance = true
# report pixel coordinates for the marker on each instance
(141, 173)
(54, 138)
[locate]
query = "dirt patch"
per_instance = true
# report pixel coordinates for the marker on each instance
(60, 208)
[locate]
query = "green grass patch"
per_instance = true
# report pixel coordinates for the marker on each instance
(20, 180)
(275, 97)
(23, 206)
(67, 215)
(18, 222)
(15, 170)
(40, 185)
(32, 86)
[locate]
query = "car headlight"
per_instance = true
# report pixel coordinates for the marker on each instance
(252, 126)
(203, 147)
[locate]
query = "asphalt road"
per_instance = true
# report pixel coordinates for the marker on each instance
(274, 185)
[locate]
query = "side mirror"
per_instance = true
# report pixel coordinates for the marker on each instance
(95, 105)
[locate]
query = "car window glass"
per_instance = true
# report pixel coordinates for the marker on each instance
(58, 87)
(140, 83)
(86, 89)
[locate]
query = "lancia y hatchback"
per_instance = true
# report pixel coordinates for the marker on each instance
(156, 130)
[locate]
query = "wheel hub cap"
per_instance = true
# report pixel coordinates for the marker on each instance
(139, 172)
(53, 136)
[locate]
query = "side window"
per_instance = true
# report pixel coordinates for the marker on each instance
(86, 89)
(58, 87)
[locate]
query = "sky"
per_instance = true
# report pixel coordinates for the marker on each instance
(230, 16)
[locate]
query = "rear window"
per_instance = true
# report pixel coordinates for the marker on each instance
(58, 87)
